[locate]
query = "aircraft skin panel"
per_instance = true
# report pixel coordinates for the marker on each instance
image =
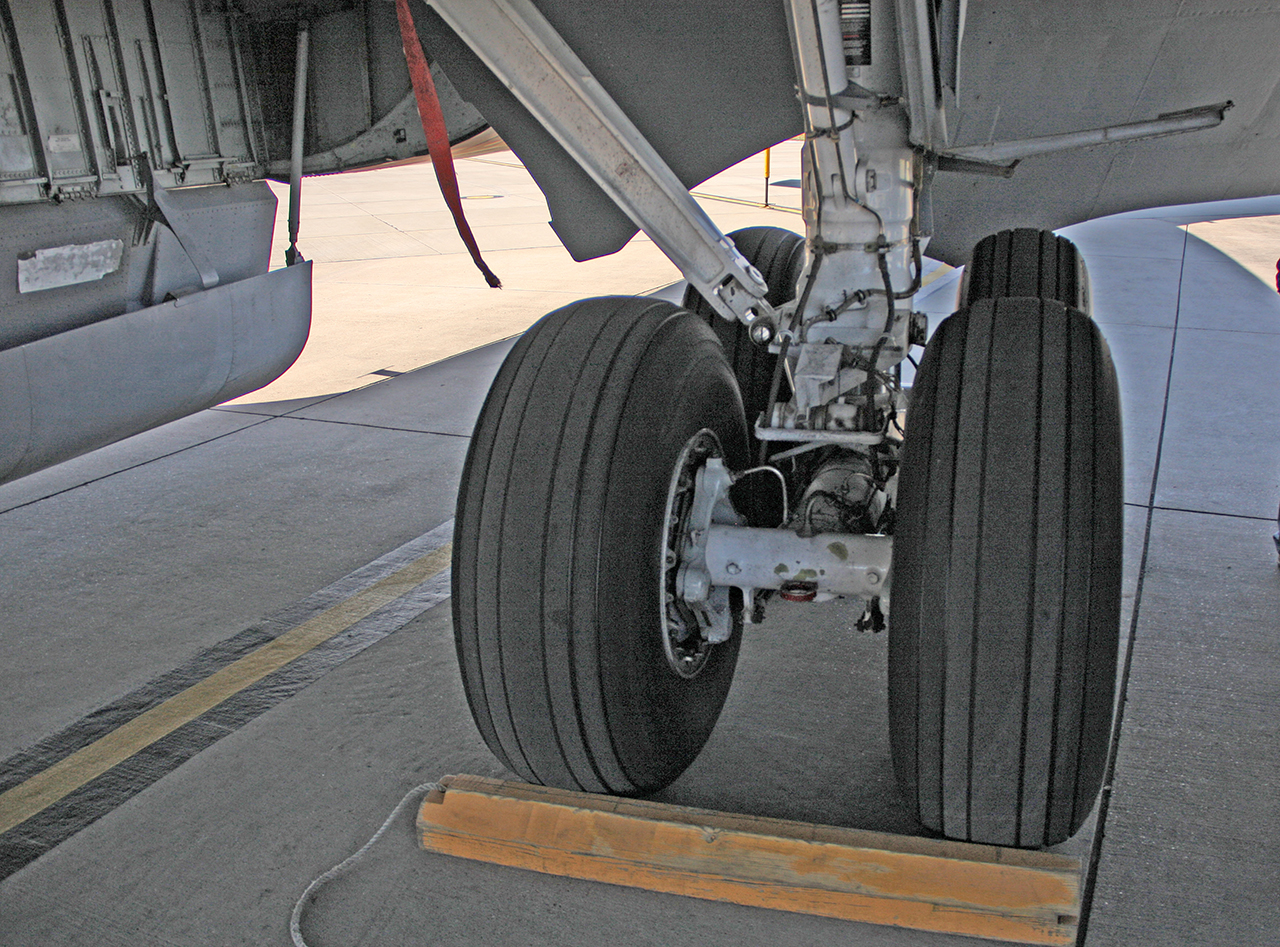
(707, 83)
(710, 84)
(233, 226)
(1081, 65)
(69, 393)
(135, 294)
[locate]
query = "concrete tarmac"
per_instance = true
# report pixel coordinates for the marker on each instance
(175, 562)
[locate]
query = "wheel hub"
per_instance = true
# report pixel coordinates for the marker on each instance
(695, 615)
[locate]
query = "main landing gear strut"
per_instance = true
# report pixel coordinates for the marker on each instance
(644, 477)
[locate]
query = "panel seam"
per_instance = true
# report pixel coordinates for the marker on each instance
(1104, 803)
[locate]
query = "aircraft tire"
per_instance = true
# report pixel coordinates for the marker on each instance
(1004, 624)
(558, 560)
(1026, 262)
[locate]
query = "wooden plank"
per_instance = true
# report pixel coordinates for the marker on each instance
(923, 884)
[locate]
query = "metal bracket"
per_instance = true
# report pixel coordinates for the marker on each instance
(853, 98)
(526, 53)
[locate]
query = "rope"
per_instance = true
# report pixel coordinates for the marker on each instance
(295, 919)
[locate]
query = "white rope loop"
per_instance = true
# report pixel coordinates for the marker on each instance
(295, 919)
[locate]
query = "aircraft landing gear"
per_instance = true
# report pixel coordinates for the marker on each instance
(601, 569)
(779, 256)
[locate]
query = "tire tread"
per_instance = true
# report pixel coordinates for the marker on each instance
(532, 612)
(1023, 263)
(1000, 679)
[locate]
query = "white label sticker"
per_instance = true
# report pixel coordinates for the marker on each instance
(61, 144)
(69, 265)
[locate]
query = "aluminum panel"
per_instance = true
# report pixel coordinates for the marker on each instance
(79, 390)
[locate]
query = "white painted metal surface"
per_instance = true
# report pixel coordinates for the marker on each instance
(835, 563)
(1190, 120)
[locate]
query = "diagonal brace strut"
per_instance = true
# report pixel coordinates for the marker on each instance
(527, 54)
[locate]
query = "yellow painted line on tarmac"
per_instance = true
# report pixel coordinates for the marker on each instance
(69, 774)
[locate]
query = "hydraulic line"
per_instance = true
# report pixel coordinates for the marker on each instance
(776, 382)
(291, 255)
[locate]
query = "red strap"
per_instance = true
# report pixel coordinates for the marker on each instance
(437, 135)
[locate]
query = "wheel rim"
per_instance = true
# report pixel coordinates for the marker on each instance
(682, 641)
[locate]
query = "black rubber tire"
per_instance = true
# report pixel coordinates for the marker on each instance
(1004, 624)
(779, 256)
(557, 578)
(1026, 262)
